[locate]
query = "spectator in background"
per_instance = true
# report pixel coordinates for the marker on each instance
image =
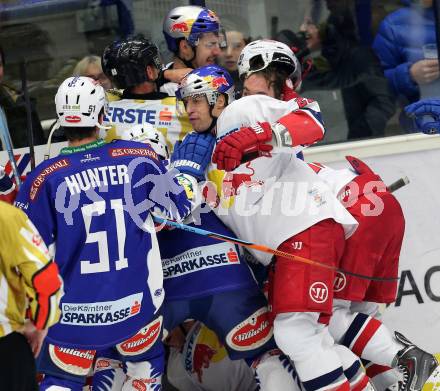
(228, 58)
(90, 66)
(13, 103)
(400, 44)
(343, 63)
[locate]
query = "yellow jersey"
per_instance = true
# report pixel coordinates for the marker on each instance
(28, 275)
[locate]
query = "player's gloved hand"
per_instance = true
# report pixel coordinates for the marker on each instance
(6, 183)
(233, 148)
(192, 155)
(426, 113)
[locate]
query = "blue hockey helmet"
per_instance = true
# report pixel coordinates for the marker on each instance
(210, 80)
(188, 22)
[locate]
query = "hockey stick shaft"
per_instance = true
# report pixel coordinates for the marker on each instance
(27, 102)
(398, 184)
(259, 247)
(7, 143)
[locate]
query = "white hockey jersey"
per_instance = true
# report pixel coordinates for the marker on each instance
(271, 198)
(335, 179)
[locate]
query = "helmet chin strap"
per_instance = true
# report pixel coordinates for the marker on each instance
(103, 127)
(214, 120)
(188, 63)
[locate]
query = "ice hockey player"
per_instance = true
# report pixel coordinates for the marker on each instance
(28, 275)
(203, 276)
(192, 35)
(269, 68)
(92, 204)
(376, 255)
(134, 66)
(249, 203)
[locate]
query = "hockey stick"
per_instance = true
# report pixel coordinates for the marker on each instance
(27, 103)
(265, 249)
(398, 184)
(7, 144)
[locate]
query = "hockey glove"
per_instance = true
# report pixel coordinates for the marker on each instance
(192, 155)
(426, 114)
(231, 150)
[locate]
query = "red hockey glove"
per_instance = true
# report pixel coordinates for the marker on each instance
(231, 149)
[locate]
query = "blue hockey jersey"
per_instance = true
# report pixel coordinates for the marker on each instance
(92, 205)
(195, 266)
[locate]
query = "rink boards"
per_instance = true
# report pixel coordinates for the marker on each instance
(416, 312)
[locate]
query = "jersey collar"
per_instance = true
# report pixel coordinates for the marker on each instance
(82, 148)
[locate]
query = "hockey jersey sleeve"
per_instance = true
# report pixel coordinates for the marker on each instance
(23, 249)
(34, 199)
(302, 127)
(168, 194)
(294, 124)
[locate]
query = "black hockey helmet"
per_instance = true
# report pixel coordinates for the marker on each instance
(125, 61)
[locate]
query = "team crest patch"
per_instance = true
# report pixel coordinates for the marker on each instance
(142, 340)
(318, 292)
(74, 361)
(252, 333)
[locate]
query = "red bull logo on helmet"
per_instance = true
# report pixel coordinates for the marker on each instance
(216, 81)
(219, 81)
(180, 27)
(183, 27)
(213, 16)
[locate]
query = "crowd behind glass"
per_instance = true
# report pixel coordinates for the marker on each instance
(362, 60)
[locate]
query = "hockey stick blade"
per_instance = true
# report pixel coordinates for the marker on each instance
(244, 243)
(398, 184)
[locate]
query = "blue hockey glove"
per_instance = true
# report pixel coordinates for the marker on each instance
(426, 113)
(192, 155)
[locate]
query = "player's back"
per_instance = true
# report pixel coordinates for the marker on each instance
(93, 203)
(158, 109)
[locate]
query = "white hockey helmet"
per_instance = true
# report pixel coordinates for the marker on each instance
(259, 54)
(148, 134)
(79, 101)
